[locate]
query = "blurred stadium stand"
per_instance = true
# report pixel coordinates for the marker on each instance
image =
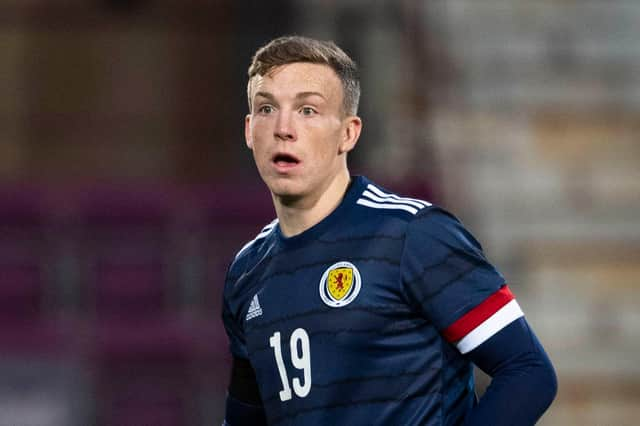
(125, 186)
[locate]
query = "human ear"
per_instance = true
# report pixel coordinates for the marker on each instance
(247, 132)
(350, 133)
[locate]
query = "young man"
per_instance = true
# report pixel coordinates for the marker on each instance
(357, 306)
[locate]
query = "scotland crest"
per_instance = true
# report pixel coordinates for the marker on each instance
(340, 284)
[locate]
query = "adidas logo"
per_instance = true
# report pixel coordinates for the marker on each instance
(254, 309)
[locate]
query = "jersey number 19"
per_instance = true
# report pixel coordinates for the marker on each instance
(300, 358)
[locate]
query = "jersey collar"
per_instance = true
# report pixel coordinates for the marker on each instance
(355, 189)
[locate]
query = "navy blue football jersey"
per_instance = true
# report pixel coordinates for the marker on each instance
(364, 319)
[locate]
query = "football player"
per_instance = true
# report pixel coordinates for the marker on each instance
(357, 306)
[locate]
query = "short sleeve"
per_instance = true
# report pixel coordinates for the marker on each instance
(445, 274)
(233, 327)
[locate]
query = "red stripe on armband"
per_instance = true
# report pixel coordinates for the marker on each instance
(469, 321)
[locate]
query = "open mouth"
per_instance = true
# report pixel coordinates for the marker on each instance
(285, 160)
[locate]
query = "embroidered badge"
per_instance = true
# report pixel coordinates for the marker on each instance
(340, 284)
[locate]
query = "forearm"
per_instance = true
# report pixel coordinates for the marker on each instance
(523, 381)
(238, 413)
(243, 406)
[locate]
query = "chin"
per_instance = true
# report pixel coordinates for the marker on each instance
(286, 192)
(284, 188)
(287, 196)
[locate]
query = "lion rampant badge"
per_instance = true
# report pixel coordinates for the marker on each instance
(340, 284)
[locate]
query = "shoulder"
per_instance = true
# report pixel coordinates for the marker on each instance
(253, 244)
(440, 226)
(250, 251)
(419, 216)
(436, 233)
(415, 218)
(421, 220)
(429, 231)
(375, 200)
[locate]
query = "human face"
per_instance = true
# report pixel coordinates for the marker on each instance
(298, 131)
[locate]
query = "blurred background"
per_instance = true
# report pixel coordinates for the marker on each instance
(126, 188)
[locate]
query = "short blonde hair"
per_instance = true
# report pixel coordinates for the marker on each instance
(291, 49)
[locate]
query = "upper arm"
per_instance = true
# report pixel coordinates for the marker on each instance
(448, 279)
(233, 328)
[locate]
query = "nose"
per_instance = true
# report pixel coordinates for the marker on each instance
(285, 129)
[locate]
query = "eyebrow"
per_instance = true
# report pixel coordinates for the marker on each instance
(308, 94)
(300, 95)
(266, 95)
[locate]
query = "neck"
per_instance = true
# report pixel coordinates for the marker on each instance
(296, 216)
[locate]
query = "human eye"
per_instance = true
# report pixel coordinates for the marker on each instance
(265, 109)
(307, 110)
